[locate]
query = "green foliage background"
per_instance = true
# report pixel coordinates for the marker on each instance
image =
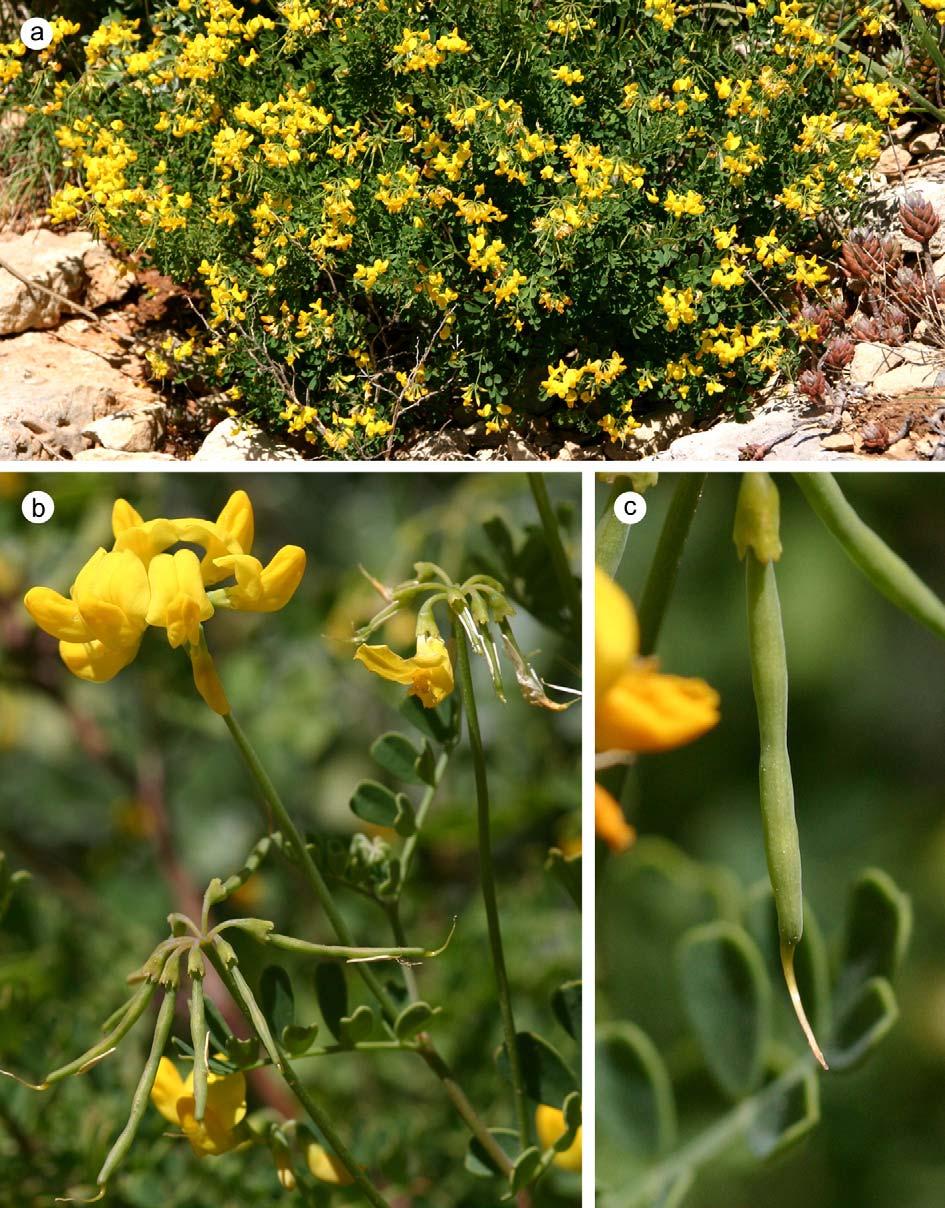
(98, 899)
(865, 736)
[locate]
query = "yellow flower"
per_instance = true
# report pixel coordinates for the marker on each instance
(610, 823)
(179, 601)
(226, 1107)
(101, 625)
(325, 1166)
(263, 588)
(549, 1124)
(428, 675)
(640, 709)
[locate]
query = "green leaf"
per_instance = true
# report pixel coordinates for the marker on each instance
(413, 1019)
(636, 1113)
(572, 1112)
(433, 723)
(426, 765)
(566, 1005)
(276, 998)
(862, 1024)
(727, 995)
(242, 1052)
(787, 1110)
(374, 803)
(331, 990)
(378, 805)
(545, 1076)
(525, 1168)
(879, 923)
(396, 754)
(357, 1026)
(479, 1163)
(298, 1038)
(567, 872)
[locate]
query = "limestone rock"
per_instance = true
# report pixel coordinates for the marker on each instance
(51, 390)
(892, 162)
(438, 446)
(130, 431)
(925, 144)
(107, 280)
(870, 360)
(837, 442)
(921, 369)
(517, 449)
(238, 440)
(55, 261)
(143, 460)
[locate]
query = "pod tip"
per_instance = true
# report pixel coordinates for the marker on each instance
(787, 964)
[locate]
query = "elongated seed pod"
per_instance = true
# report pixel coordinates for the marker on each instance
(888, 573)
(132, 1012)
(139, 1102)
(200, 1037)
(758, 541)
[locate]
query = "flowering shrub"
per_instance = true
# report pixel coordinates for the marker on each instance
(402, 214)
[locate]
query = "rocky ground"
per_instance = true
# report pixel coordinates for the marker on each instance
(75, 326)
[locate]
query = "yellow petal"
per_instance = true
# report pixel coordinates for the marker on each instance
(146, 539)
(207, 681)
(226, 1107)
(609, 821)
(124, 517)
(179, 601)
(428, 675)
(167, 1090)
(325, 1166)
(549, 1124)
(646, 711)
(236, 520)
(263, 588)
(616, 633)
(111, 592)
(56, 615)
(96, 662)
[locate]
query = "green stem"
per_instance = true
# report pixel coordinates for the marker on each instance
(559, 559)
(428, 1051)
(423, 808)
(307, 864)
(708, 1144)
(662, 576)
(487, 874)
(888, 573)
(319, 1118)
(611, 537)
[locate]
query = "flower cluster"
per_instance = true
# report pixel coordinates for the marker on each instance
(404, 212)
(143, 580)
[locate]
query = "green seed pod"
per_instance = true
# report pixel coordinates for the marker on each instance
(139, 1102)
(884, 569)
(200, 1037)
(130, 1015)
(758, 518)
(776, 787)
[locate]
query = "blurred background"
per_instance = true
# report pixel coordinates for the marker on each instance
(124, 799)
(866, 725)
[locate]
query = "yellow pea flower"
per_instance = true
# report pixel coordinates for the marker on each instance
(549, 1124)
(101, 625)
(639, 708)
(326, 1167)
(262, 588)
(179, 601)
(173, 1096)
(428, 674)
(610, 823)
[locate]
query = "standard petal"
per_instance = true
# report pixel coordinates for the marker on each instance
(124, 516)
(56, 615)
(616, 633)
(167, 1090)
(263, 588)
(236, 520)
(646, 711)
(95, 661)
